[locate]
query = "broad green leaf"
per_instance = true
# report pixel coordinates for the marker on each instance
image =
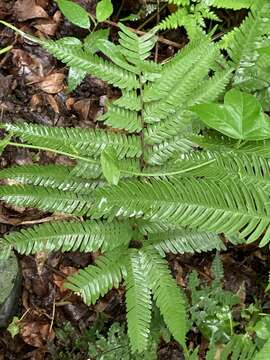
(110, 166)
(262, 328)
(241, 116)
(104, 10)
(75, 13)
(263, 354)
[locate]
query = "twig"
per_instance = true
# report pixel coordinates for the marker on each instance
(160, 39)
(53, 315)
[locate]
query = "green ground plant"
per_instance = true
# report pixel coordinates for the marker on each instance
(159, 175)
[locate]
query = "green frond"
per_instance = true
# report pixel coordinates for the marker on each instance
(263, 354)
(240, 347)
(75, 56)
(138, 302)
(248, 37)
(211, 88)
(54, 176)
(135, 48)
(161, 153)
(179, 2)
(179, 18)
(45, 198)
(84, 236)
(167, 128)
(173, 72)
(203, 205)
(96, 280)
(76, 141)
(119, 118)
(129, 101)
(166, 293)
(250, 169)
(184, 241)
(231, 4)
(178, 93)
(86, 170)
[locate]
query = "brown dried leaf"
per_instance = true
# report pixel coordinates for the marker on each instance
(28, 9)
(60, 280)
(41, 257)
(51, 100)
(53, 83)
(47, 26)
(82, 107)
(35, 333)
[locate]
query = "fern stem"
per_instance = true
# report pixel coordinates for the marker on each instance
(43, 148)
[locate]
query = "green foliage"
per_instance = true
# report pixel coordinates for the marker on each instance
(104, 10)
(241, 116)
(73, 345)
(76, 14)
(152, 179)
(191, 14)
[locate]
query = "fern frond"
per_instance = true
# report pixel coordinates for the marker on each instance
(138, 302)
(74, 56)
(231, 4)
(84, 236)
(248, 37)
(240, 347)
(45, 198)
(120, 118)
(184, 241)
(167, 128)
(161, 153)
(212, 206)
(210, 89)
(54, 176)
(135, 48)
(178, 93)
(166, 293)
(129, 101)
(76, 141)
(96, 280)
(86, 170)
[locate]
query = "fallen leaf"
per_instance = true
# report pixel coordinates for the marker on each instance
(54, 105)
(53, 83)
(28, 9)
(47, 26)
(40, 258)
(82, 107)
(35, 333)
(60, 280)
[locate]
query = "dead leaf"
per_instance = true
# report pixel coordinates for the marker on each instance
(54, 104)
(47, 26)
(28, 65)
(35, 333)
(41, 257)
(53, 83)
(60, 280)
(35, 102)
(82, 107)
(28, 9)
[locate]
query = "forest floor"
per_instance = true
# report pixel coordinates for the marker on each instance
(33, 88)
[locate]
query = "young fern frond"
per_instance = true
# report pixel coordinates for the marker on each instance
(96, 280)
(138, 301)
(69, 236)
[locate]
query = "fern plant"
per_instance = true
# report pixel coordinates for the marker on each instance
(191, 14)
(144, 182)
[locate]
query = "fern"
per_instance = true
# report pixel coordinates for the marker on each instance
(151, 179)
